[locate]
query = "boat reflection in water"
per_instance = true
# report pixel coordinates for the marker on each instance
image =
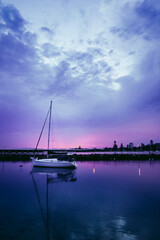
(56, 175)
(52, 176)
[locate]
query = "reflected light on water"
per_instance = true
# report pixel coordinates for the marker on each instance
(68, 204)
(120, 224)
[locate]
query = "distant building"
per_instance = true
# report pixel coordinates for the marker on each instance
(130, 146)
(151, 142)
(151, 147)
(142, 146)
(115, 146)
(157, 146)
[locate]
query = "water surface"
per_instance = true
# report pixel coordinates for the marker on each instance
(98, 200)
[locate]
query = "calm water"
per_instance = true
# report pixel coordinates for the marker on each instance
(100, 200)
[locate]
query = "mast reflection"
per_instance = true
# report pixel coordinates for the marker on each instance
(52, 176)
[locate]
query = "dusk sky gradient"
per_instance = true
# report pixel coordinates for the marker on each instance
(98, 60)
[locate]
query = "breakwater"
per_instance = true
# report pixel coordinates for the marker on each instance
(24, 155)
(116, 157)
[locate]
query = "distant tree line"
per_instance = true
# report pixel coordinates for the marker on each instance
(130, 147)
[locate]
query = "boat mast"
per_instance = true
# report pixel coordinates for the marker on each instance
(41, 132)
(50, 113)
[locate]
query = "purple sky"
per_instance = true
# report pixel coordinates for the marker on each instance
(99, 61)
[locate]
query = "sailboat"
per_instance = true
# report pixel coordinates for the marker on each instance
(51, 162)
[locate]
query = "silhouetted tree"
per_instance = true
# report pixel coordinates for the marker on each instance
(115, 146)
(121, 147)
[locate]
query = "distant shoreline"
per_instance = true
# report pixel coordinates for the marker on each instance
(87, 156)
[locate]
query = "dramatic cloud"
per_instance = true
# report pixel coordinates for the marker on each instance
(12, 19)
(98, 61)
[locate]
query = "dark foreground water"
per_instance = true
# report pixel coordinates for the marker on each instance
(100, 200)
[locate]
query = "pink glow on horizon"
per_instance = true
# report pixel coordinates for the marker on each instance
(140, 131)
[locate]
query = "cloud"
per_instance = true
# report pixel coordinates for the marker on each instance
(149, 15)
(18, 62)
(12, 18)
(15, 55)
(46, 29)
(49, 50)
(46, 35)
(107, 80)
(142, 18)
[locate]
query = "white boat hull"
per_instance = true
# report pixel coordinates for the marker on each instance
(53, 163)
